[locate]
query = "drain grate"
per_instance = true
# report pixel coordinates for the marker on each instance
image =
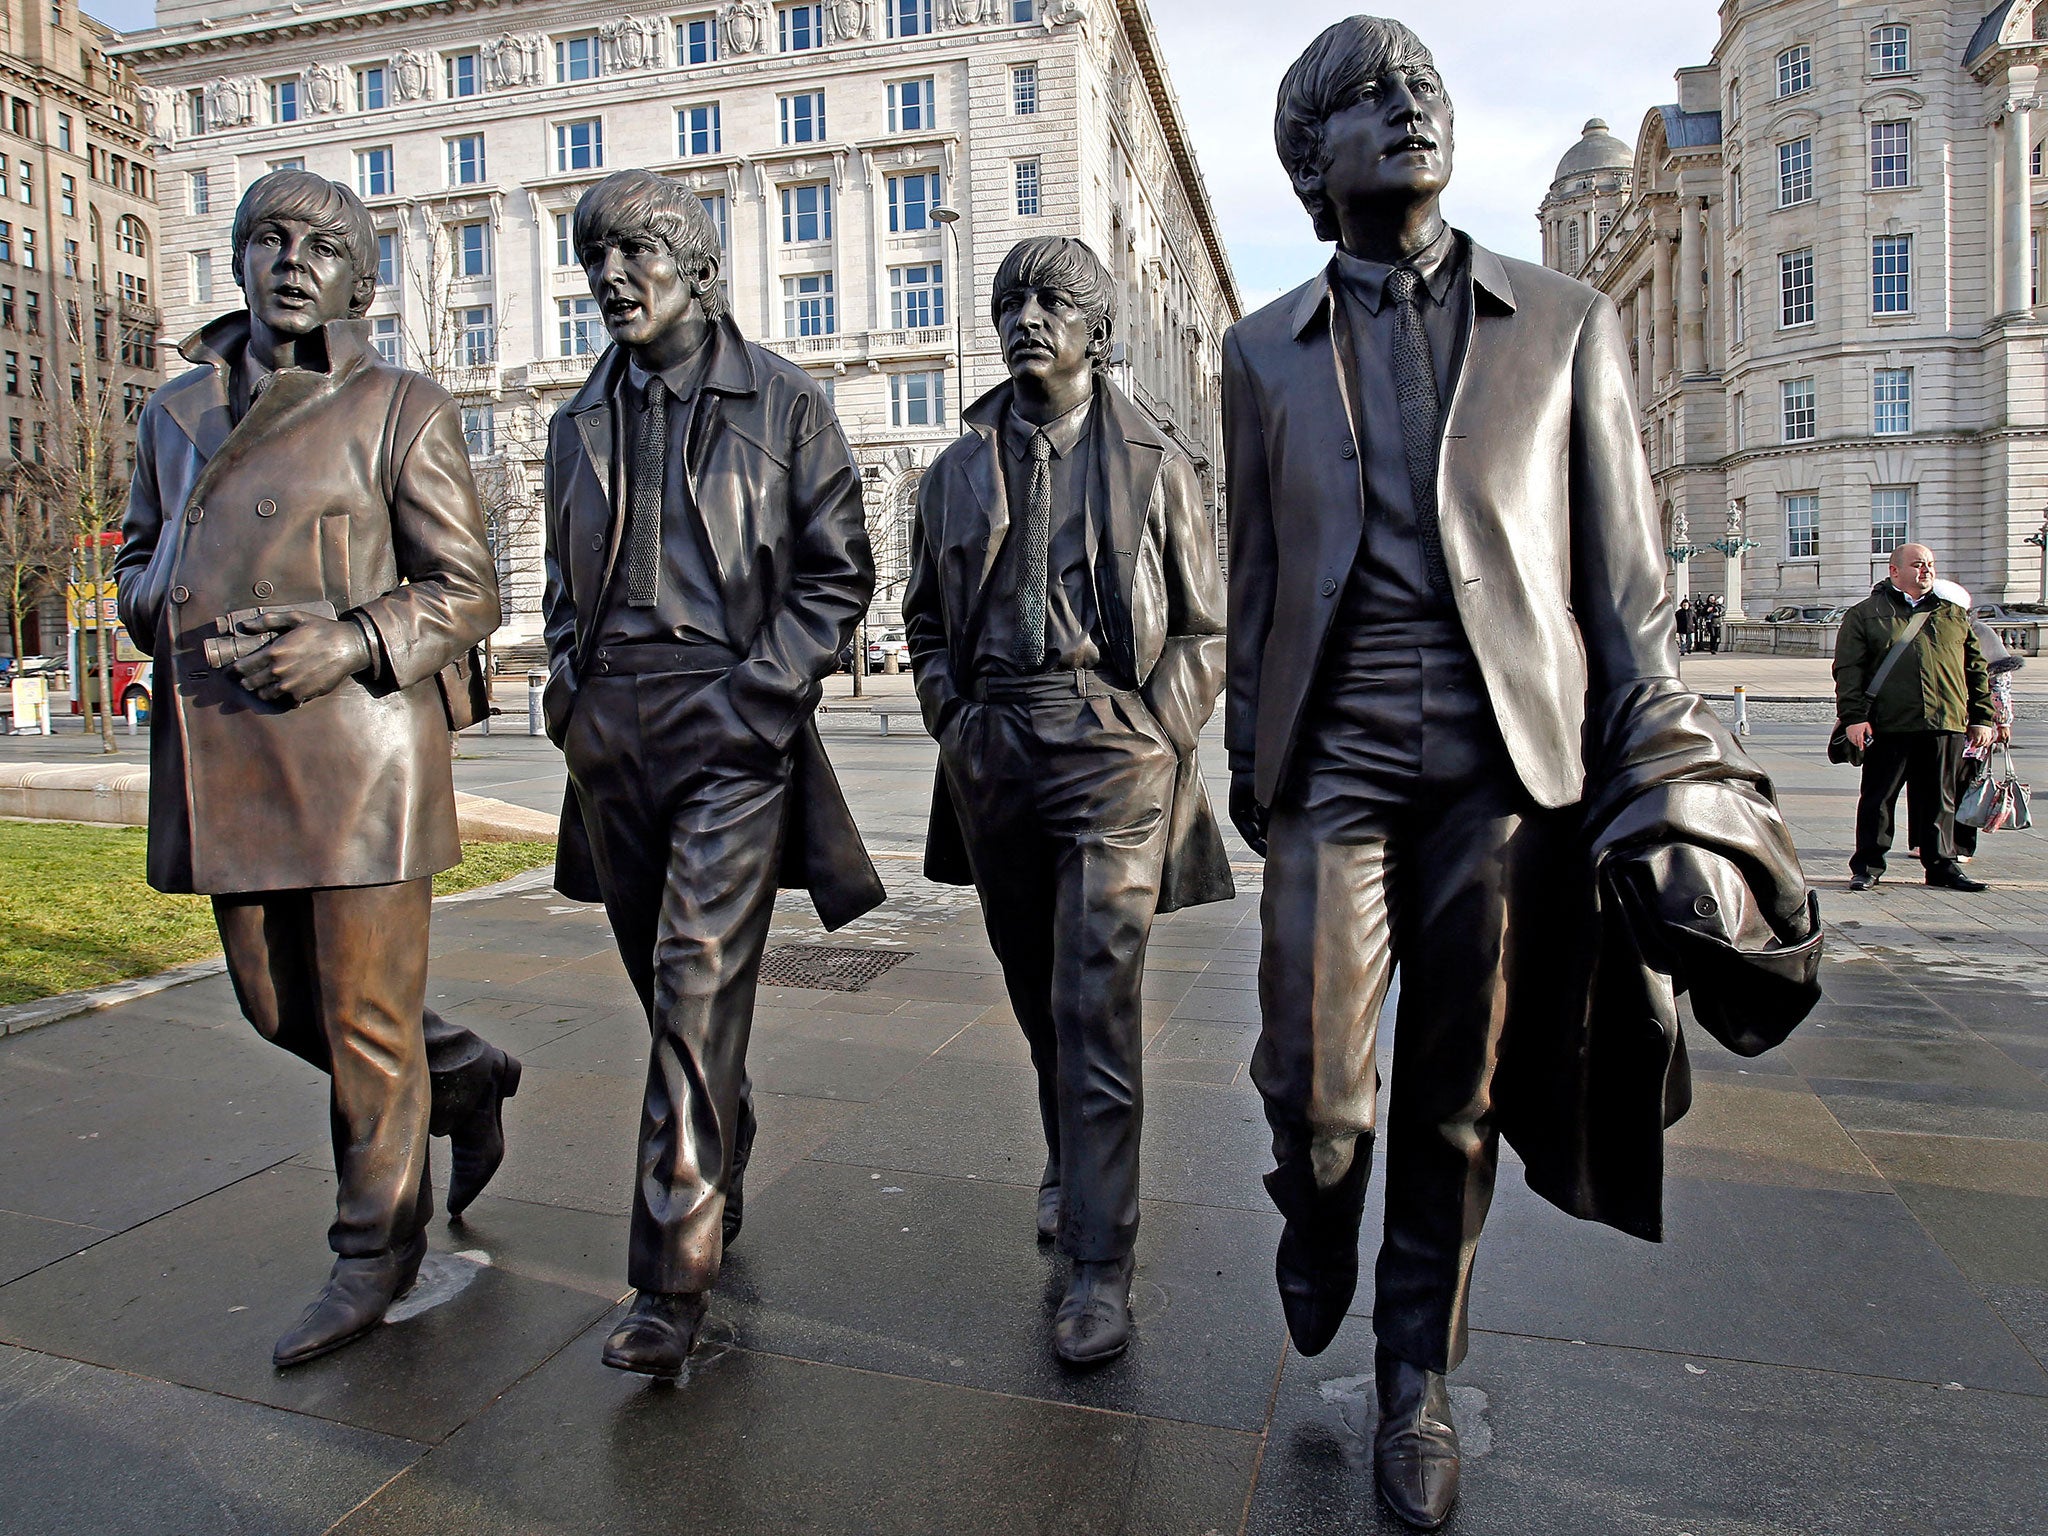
(825, 968)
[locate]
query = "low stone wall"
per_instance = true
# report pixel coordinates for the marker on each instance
(1753, 637)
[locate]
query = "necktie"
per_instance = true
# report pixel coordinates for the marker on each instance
(1037, 542)
(1421, 417)
(643, 531)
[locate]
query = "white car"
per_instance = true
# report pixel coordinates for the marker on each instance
(889, 643)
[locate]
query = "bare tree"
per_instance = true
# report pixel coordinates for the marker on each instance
(34, 549)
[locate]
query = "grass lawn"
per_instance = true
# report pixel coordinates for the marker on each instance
(75, 911)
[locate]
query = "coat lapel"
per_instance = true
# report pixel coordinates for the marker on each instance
(200, 408)
(1132, 455)
(1493, 301)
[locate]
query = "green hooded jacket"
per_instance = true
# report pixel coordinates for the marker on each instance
(1940, 684)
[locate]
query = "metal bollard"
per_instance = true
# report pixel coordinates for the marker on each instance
(536, 685)
(1741, 709)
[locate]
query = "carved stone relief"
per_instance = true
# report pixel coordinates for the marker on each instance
(851, 20)
(746, 26)
(412, 75)
(321, 89)
(1064, 13)
(632, 42)
(970, 13)
(230, 103)
(158, 109)
(514, 60)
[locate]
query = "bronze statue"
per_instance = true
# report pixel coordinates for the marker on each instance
(1457, 735)
(707, 559)
(303, 553)
(1065, 620)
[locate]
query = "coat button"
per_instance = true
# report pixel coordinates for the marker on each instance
(266, 508)
(1706, 906)
(181, 594)
(264, 589)
(1329, 587)
(193, 514)
(597, 541)
(1350, 452)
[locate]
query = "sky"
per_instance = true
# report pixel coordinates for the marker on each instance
(1524, 76)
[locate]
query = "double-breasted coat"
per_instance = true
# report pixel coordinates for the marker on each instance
(346, 485)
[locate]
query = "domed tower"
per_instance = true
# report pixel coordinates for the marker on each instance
(1586, 196)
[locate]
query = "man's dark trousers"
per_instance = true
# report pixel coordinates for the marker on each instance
(1063, 787)
(1926, 764)
(686, 829)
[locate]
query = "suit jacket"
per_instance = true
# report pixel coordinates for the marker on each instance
(348, 486)
(1686, 877)
(1159, 596)
(779, 496)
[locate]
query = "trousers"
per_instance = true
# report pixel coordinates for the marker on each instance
(338, 977)
(686, 812)
(1403, 838)
(1926, 764)
(1064, 804)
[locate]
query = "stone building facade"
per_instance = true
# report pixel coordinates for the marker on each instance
(824, 137)
(1828, 256)
(78, 286)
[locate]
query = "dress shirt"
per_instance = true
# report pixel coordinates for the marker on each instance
(1072, 626)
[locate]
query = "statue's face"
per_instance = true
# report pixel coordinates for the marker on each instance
(1394, 144)
(1046, 334)
(640, 290)
(296, 276)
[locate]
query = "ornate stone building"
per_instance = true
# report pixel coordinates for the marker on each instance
(831, 141)
(1827, 253)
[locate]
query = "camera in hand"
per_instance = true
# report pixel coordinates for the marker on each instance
(243, 632)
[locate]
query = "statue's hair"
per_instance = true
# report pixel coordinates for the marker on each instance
(328, 206)
(1058, 261)
(1328, 78)
(638, 202)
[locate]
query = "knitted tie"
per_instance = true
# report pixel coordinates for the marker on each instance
(1037, 542)
(643, 530)
(1421, 416)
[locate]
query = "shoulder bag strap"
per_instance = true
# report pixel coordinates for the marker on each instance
(1891, 658)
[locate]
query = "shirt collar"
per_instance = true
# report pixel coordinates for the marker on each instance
(1063, 434)
(1366, 280)
(1910, 600)
(682, 379)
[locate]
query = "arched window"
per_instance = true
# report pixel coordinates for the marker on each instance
(131, 237)
(1571, 246)
(1606, 224)
(1891, 48)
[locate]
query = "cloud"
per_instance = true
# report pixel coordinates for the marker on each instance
(1524, 77)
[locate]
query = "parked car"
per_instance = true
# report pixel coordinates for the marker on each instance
(889, 642)
(1782, 615)
(1995, 614)
(1811, 613)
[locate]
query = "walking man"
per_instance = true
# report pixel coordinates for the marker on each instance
(1065, 620)
(1913, 689)
(706, 561)
(303, 552)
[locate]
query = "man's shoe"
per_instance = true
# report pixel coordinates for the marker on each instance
(1049, 1213)
(1415, 1449)
(1316, 1287)
(1863, 882)
(1093, 1324)
(476, 1127)
(656, 1337)
(1947, 877)
(359, 1292)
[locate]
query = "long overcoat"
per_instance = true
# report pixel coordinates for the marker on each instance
(346, 485)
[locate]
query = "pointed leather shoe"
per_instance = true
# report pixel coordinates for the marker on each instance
(1093, 1324)
(1315, 1287)
(656, 1337)
(1415, 1449)
(1947, 877)
(1049, 1213)
(359, 1292)
(476, 1131)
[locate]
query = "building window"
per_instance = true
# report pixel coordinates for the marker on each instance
(195, 110)
(134, 289)
(284, 100)
(26, 174)
(911, 106)
(198, 193)
(807, 213)
(466, 160)
(1891, 402)
(579, 146)
(1023, 10)
(1027, 189)
(294, 163)
(6, 241)
(807, 306)
(370, 94)
(384, 337)
(1891, 50)
(697, 130)
(1734, 102)
(581, 327)
(697, 40)
(460, 72)
(471, 250)
(1891, 155)
(1802, 527)
(31, 313)
(1571, 244)
(1795, 288)
(1795, 172)
(908, 18)
(798, 27)
(1891, 517)
(1738, 309)
(64, 131)
(8, 318)
(67, 194)
(1891, 275)
(565, 240)
(373, 172)
(1024, 90)
(14, 373)
(803, 118)
(1801, 417)
(387, 259)
(714, 204)
(910, 202)
(71, 258)
(202, 277)
(1737, 413)
(1735, 198)
(130, 237)
(576, 58)
(479, 430)
(1795, 70)
(917, 399)
(476, 338)
(28, 246)
(2034, 161)
(917, 297)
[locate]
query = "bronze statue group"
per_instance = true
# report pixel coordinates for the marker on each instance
(1452, 714)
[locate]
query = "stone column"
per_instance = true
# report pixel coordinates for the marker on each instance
(1692, 305)
(1642, 322)
(2016, 221)
(1660, 305)
(1731, 603)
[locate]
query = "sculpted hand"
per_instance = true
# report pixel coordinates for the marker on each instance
(309, 657)
(1983, 735)
(1859, 734)
(1246, 814)
(2005, 734)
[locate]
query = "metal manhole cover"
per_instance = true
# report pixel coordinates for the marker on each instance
(826, 968)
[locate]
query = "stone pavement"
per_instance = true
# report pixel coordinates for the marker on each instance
(1844, 1335)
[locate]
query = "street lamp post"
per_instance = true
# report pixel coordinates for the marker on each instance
(2040, 541)
(948, 219)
